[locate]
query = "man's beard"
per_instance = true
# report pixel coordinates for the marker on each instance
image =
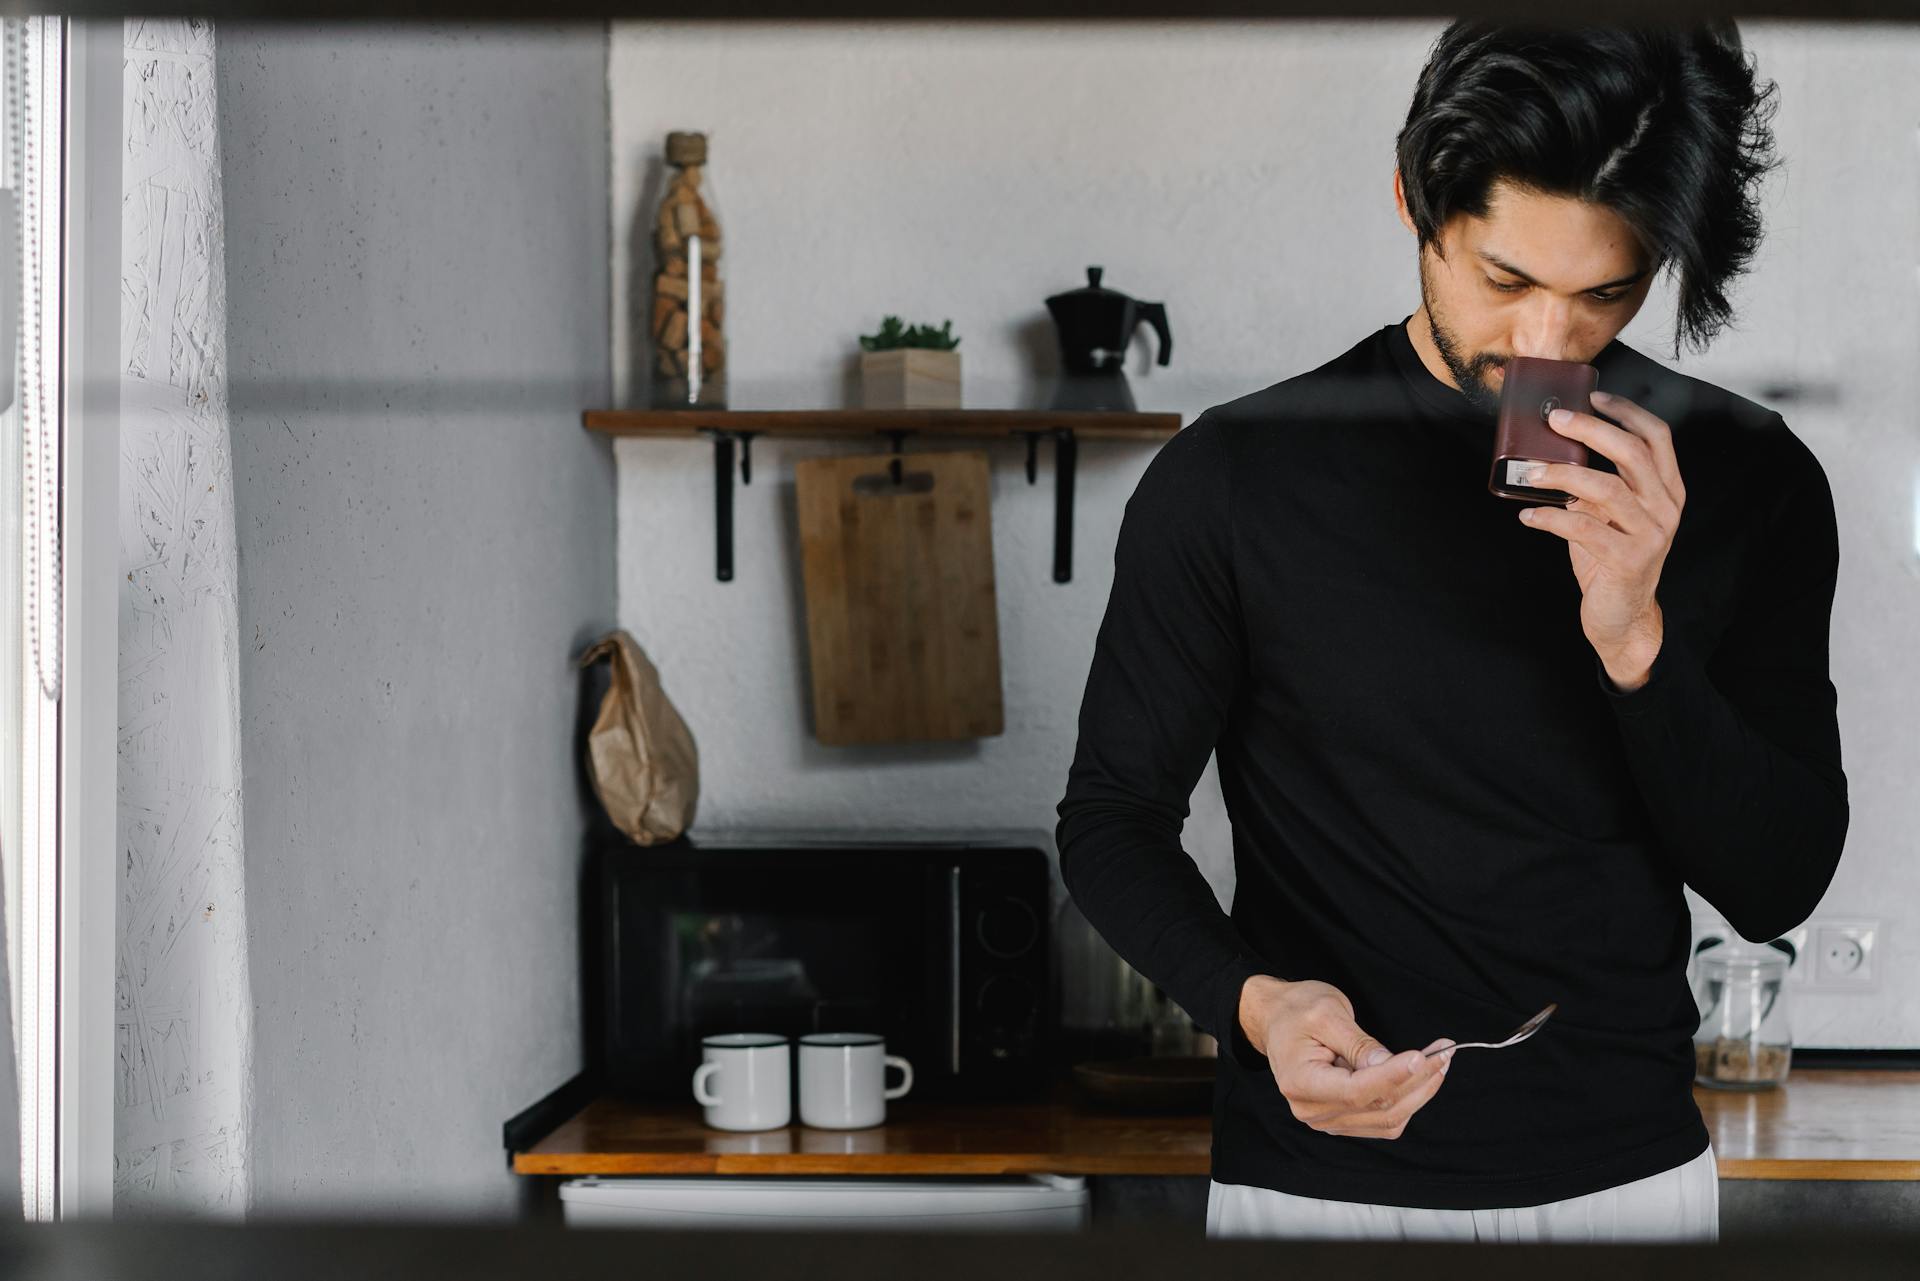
(1469, 375)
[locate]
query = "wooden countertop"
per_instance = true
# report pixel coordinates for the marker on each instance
(1824, 1123)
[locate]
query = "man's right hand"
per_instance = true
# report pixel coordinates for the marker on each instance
(1336, 1077)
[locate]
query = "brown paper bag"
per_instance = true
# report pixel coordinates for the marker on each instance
(645, 767)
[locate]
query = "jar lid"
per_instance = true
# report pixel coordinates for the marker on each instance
(1720, 959)
(684, 148)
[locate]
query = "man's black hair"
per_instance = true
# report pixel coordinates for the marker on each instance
(1666, 127)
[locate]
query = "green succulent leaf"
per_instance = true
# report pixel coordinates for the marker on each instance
(892, 335)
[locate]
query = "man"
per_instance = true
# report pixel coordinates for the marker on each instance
(1472, 748)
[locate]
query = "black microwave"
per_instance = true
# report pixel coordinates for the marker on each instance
(941, 944)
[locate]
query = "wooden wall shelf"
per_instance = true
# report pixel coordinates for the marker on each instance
(1088, 424)
(1066, 427)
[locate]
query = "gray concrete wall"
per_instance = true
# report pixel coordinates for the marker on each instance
(417, 300)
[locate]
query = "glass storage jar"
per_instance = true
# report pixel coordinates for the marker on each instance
(1743, 1041)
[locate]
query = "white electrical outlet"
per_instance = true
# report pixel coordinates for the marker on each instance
(1843, 953)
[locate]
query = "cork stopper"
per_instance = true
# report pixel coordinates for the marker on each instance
(686, 148)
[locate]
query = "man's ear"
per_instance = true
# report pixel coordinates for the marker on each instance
(1400, 201)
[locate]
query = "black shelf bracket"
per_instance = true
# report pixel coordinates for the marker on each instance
(746, 456)
(1065, 452)
(898, 436)
(723, 493)
(1065, 455)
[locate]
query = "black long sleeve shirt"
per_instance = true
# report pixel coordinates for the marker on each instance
(1439, 802)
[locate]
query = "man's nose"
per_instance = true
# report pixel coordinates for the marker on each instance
(1547, 330)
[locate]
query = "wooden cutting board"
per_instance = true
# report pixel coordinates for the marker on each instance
(902, 623)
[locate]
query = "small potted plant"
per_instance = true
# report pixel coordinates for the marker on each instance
(910, 367)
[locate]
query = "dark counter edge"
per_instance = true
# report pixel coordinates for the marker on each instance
(531, 1124)
(1814, 1057)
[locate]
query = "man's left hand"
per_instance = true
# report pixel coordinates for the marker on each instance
(1618, 529)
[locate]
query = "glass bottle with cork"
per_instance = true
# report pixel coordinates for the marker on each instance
(689, 305)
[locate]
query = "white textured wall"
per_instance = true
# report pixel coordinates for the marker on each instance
(183, 1039)
(1836, 294)
(417, 296)
(1241, 174)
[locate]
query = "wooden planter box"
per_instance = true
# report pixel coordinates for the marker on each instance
(910, 378)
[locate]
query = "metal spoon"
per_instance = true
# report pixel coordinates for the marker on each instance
(1520, 1034)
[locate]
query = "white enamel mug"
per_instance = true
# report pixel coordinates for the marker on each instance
(843, 1082)
(745, 1080)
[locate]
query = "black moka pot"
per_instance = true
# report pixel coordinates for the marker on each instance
(1096, 327)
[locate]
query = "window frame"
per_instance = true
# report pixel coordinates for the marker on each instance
(89, 755)
(69, 939)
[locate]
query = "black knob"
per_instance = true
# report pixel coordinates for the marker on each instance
(1007, 1000)
(1007, 928)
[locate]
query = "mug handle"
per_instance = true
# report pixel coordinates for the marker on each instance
(906, 1073)
(700, 1075)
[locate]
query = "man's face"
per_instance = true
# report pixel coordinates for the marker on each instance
(1540, 275)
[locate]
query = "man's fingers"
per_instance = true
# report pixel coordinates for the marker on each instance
(1388, 1123)
(1319, 1083)
(1651, 428)
(1391, 1122)
(1320, 1091)
(1403, 1111)
(1340, 1060)
(1378, 1088)
(1318, 1076)
(1357, 1047)
(1346, 1039)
